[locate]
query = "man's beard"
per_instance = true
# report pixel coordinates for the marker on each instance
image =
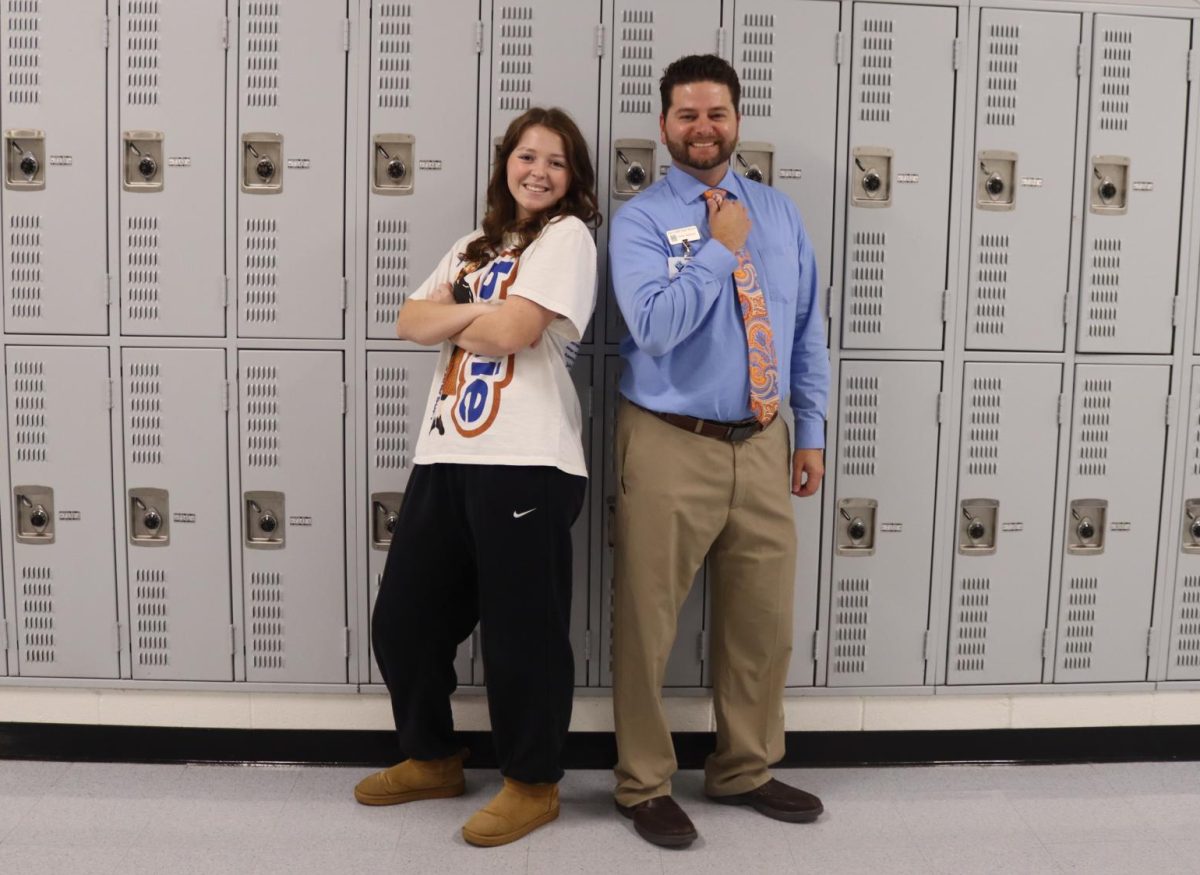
(679, 152)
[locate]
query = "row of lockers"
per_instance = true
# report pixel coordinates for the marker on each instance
(253, 582)
(312, 160)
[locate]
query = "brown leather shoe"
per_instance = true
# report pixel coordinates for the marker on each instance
(661, 822)
(776, 799)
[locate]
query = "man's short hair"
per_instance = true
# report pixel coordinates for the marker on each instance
(699, 68)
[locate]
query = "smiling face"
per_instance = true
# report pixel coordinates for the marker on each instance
(700, 129)
(537, 171)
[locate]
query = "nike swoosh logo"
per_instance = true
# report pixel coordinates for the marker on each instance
(517, 516)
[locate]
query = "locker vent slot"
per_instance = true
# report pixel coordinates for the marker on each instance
(1000, 83)
(1116, 72)
(758, 64)
(852, 624)
(145, 414)
(24, 52)
(983, 432)
(1187, 647)
(1105, 287)
(860, 422)
(262, 416)
(37, 614)
(395, 51)
(1081, 623)
(141, 244)
(29, 411)
(141, 53)
(262, 53)
(391, 268)
(867, 278)
(971, 634)
(638, 76)
(1095, 417)
(262, 243)
(150, 600)
(516, 57)
(391, 438)
(266, 620)
(25, 266)
(875, 80)
(991, 293)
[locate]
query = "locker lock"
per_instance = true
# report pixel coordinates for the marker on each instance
(143, 161)
(34, 506)
(1191, 525)
(395, 162)
(856, 528)
(977, 527)
(1086, 528)
(385, 513)
(29, 165)
(265, 529)
(1110, 184)
(754, 161)
(633, 167)
(871, 183)
(996, 187)
(262, 163)
(265, 168)
(25, 159)
(396, 169)
(149, 517)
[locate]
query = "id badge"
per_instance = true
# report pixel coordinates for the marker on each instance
(675, 264)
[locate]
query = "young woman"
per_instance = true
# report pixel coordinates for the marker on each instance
(499, 478)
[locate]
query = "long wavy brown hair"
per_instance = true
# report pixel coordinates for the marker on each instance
(501, 216)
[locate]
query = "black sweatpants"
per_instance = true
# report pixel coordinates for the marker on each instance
(486, 543)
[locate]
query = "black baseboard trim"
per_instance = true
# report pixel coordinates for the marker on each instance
(595, 750)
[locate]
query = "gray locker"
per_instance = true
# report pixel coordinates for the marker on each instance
(686, 662)
(1027, 94)
(901, 137)
(291, 168)
(581, 531)
(807, 513)
(421, 168)
(1136, 134)
(397, 391)
(60, 459)
(777, 43)
(177, 513)
(293, 515)
(1003, 522)
(172, 168)
(54, 201)
(647, 36)
(1114, 488)
(883, 534)
(1184, 659)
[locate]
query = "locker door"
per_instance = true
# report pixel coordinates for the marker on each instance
(647, 36)
(172, 166)
(807, 512)
(1184, 658)
(177, 514)
(1003, 522)
(61, 464)
(423, 62)
(291, 168)
(685, 665)
(1025, 110)
(293, 516)
(897, 222)
(581, 531)
(777, 43)
(1113, 493)
(398, 391)
(1136, 133)
(54, 201)
(887, 475)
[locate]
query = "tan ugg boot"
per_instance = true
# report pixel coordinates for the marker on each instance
(517, 810)
(414, 779)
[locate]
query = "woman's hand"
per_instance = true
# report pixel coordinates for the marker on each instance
(443, 293)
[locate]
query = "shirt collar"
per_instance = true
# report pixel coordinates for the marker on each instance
(688, 188)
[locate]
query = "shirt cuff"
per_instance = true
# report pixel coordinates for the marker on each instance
(715, 257)
(810, 434)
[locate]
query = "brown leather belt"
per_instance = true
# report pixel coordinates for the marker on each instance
(722, 431)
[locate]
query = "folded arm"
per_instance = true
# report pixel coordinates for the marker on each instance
(505, 328)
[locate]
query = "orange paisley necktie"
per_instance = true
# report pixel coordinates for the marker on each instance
(764, 370)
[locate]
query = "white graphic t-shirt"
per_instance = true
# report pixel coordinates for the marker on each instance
(519, 409)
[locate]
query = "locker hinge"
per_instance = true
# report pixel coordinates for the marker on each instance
(721, 42)
(600, 40)
(945, 303)
(956, 51)
(345, 398)
(589, 403)
(927, 645)
(478, 37)
(1066, 307)
(587, 645)
(471, 642)
(1045, 643)
(1060, 407)
(225, 33)
(223, 291)
(1079, 60)
(839, 48)
(828, 301)
(226, 391)
(232, 640)
(4, 636)
(107, 289)
(941, 406)
(702, 646)
(345, 292)
(1170, 410)
(818, 646)
(105, 28)
(108, 393)
(1151, 641)
(346, 44)
(1175, 310)
(117, 637)
(346, 641)
(1191, 64)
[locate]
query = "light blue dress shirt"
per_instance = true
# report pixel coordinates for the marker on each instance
(686, 349)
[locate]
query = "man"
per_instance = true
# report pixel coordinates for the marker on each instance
(716, 279)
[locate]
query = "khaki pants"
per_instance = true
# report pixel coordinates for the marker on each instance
(681, 496)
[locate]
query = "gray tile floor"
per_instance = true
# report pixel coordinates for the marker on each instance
(101, 818)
